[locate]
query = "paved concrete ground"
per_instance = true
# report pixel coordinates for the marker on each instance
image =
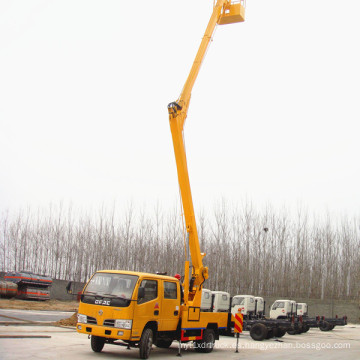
(14, 315)
(46, 342)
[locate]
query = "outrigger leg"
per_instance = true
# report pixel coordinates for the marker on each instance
(179, 350)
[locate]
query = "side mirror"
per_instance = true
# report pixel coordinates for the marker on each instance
(68, 288)
(141, 293)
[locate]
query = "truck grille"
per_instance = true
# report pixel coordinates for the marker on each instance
(109, 322)
(91, 320)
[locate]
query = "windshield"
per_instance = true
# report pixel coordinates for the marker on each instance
(238, 301)
(278, 304)
(110, 289)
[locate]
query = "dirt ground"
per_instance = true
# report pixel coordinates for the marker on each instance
(55, 305)
(39, 305)
(71, 321)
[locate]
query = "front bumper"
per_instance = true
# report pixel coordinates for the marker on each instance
(105, 331)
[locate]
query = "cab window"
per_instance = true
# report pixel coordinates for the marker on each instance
(170, 290)
(238, 301)
(151, 291)
(278, 304)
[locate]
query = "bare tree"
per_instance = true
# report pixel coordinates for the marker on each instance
(248, 251)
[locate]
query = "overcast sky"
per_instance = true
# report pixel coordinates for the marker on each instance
(274, 116)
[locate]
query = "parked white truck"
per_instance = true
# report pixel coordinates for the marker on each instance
(301, 309)
(221, 301)
(282, 309)
(286, 316)
(206, 300)
(253, 310)
(245, 304)
(215, 301)
(250, 306)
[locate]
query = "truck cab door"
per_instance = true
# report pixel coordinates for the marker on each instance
(147, 307)
(170, 305)
(278, 310)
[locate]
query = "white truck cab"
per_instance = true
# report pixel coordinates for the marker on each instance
(244, 304)
(282, 308)
(221, 301)
(301, 309)
(206, 300)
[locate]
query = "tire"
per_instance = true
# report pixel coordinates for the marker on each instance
(258, 332)
(164, 344)
(146, 342)
(325, 326)
(97, 343)
(306, 328)
(278, 333)
(270, 334)
(206, 345)
(292, 332)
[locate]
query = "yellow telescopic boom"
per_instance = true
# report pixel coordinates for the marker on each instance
(224, 12)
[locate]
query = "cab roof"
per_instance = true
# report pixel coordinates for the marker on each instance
(140, 274)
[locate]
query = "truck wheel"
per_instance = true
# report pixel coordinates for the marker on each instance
(164, 344)
(306, 328)
(97, 343)
(279, 333)
(258, 332)
(206, 345)
(145, 344)
(292, 332)
(325, 326)
(270, 334)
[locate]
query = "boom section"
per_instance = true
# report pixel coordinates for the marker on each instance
(224, 12)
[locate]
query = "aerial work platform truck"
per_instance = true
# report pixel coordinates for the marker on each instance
(140, 309)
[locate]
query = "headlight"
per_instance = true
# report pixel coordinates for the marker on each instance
(82, 318)
(123, 324)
